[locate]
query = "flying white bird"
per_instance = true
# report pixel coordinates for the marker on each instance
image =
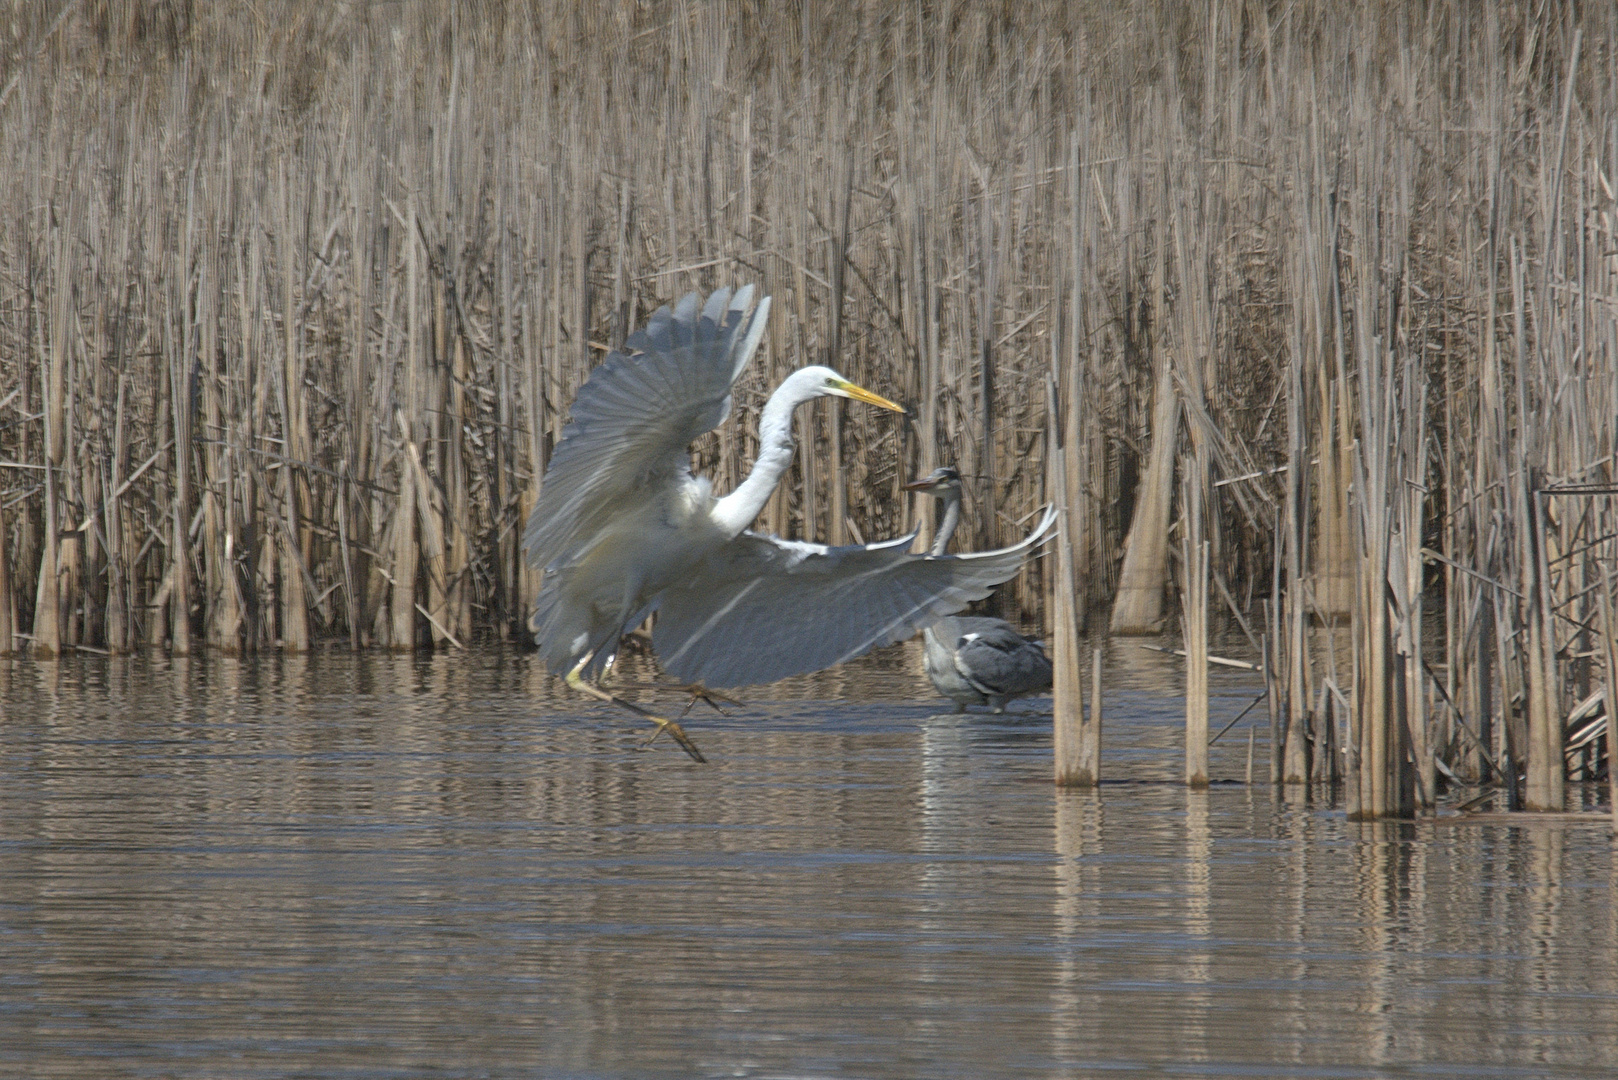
(622, 528)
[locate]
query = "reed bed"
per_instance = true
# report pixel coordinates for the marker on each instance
(294, 296)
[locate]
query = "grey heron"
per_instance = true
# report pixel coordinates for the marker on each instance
(975, 660)
(622, 528)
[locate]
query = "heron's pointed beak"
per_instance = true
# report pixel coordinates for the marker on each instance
(920, 485)
(859, 393)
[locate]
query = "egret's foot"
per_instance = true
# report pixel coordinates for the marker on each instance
(677, 733)
(699, 692)
(575, 679)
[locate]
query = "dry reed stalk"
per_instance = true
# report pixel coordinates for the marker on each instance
(433, 445)
(48, 606)
(406, 553)
(1610, 645)
(1194, 624)
(1405, 577)
(1377, 720)
(294, 606)
(1138, 605)
(1292, 613)
(1076, 740)
(1076, 433)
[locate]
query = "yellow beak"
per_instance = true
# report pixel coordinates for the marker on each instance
(859, 393)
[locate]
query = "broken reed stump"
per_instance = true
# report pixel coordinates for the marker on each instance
(1076, 733)
(1076, 741)
(1073, 737)
(1196, 730)
(1195, 619)
(1092, 732)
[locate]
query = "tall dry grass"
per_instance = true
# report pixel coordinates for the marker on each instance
(294, 296)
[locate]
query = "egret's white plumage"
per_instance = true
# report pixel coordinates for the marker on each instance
(623, 528)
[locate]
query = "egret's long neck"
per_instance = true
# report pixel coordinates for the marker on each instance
(952, 518)
(738, 510)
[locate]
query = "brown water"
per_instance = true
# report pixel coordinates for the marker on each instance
(383, 867)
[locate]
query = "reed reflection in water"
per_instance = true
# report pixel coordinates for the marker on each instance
(383, 866)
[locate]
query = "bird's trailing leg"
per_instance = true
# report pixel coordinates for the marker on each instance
(697, 691)
(576, 680)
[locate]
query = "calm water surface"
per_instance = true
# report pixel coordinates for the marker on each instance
(384, 867)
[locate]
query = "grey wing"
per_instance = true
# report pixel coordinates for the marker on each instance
(637, 413)
(764, 608)
(998, 661)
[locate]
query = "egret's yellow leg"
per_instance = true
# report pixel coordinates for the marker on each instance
(609, 679)
(576, 680)
(697, 691)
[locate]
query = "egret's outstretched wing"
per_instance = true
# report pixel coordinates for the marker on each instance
(763, 608)
(636, 414)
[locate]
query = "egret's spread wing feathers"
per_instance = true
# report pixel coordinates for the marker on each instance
(637, 412)
(765, 608)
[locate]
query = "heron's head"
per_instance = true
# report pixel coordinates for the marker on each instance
(824, 382)
(941, 483)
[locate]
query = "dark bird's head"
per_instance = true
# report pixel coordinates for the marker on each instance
(941, 483)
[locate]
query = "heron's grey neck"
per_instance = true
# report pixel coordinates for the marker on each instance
(952, 518)
(738, 510)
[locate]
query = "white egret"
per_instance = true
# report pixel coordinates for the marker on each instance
(622, 528)
(976, 660)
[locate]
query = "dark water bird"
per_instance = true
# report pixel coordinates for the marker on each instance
(622, 528)
(976, 660)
